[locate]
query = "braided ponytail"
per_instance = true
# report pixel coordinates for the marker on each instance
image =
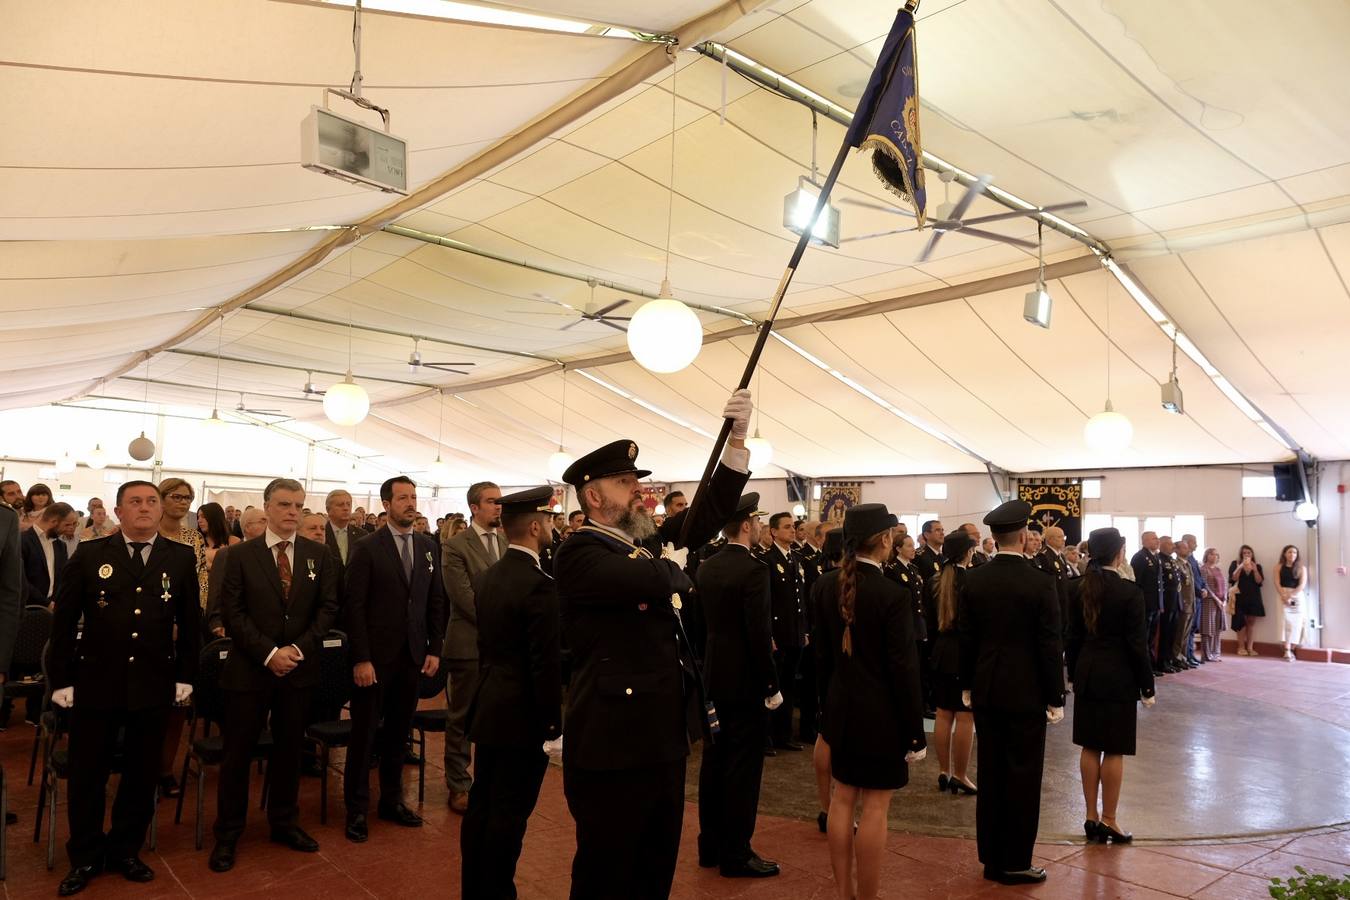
(848, 593)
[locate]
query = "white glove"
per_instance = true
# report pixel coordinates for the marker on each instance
(775, 701)
(182, 693)
(914, 756)
(679, 557)
(554, 747)
(1149, 701)
(738, 409)
(965, 700)
(64, 697)
(1054, 714)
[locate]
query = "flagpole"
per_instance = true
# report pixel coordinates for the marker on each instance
(766, 326)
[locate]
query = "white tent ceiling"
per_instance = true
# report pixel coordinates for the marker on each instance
(151, 156)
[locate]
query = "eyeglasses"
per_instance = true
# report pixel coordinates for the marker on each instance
(179, 498)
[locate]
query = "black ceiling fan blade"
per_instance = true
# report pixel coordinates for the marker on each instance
(879, 207)
(610, 308)
(1002, 238)
(1054, 207)
(446, 362)
(972, 192)
(612, 325)
(930, 246)
(446, 367)
(572, 324)
(876, 234)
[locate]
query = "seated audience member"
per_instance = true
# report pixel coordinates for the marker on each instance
(98, 526)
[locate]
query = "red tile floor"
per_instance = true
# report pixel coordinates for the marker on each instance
(399, 863)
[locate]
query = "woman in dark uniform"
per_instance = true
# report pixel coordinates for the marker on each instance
(1245, 578)
(832, 551)
(954, 731)
(867, 669)
(1110, 668)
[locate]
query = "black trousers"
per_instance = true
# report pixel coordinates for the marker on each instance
(1167, 632)
(246, 712)
(924, 651)
(785, 660)
(392, 697)
(1151, 634)
(506, 783)
(628, 830)
(1008, 808)
(808, 704)
(729, 781)
(93, 741)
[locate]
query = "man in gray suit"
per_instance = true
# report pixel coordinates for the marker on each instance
(463, 557)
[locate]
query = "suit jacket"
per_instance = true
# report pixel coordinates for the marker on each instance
(786, 597)
(464, 558)
(386, 612)
(738, 660)
(354, 533)
(635, 695)
(518, 702)
(11, 584)
(35, 566)
(1011, 652)
(213, 618)
(1112, 662)
(872, 700)
(259, 619)
(1148, 574)
(128, 656)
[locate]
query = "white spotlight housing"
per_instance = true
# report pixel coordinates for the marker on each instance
(1036, 308)
(798, 207)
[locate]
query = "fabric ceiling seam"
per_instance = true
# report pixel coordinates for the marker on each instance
(178, 351)
(760, 412)
(216, 265)
(653, 59)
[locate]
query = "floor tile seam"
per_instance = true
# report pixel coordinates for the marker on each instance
(1126, 878)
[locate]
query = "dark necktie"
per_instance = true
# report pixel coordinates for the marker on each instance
(406, 554)
(137, 560)
(284, 569)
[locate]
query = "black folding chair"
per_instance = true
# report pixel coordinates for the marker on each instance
(25, 680)
(328, 729)
(208, 708)
(427, 720)
(4, 813)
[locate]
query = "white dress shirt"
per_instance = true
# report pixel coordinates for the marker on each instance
(273, 539)
(489, 539)
(49, 551)
(523, 549)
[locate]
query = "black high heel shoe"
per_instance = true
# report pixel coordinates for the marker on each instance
(823, 822)
(959, 786)
(1106, 832)
(1092, 830)
(943, 782)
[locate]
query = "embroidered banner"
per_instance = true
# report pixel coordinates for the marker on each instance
(836, 498)
(1060, 505)
(653, 494)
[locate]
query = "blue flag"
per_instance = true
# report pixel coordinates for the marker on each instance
(887, 119)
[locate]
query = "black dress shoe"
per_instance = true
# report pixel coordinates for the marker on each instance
(132, 869)
(222, 856)
(789, 745)
(754, 867)
(1033, 875)
(357, 832)
(168, 786)
(943, 781)
(11, 818)
(399, 814)
(823, 822)
(76, 880)
(769, 751)
(294, 837)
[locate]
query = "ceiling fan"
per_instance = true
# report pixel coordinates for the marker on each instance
(416, 363)
(591, 312)
(240, 407)
(949, 216)
(311, 390)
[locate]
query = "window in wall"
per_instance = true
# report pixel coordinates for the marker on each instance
(1160, 525)
(1093, 521)
(911, 523)
(1129, 528)
(1258, 486)
(1092, 488)
(935, 490)
(1191, 525)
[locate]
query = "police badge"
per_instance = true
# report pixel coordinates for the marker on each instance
(105, 571)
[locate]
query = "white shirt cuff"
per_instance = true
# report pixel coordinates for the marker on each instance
(736, 458)
(298, 655)
(270, 655)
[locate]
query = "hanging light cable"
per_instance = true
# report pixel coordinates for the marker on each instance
(142, 448)
(1108, 432)
(761, 451)
(440, 472)
(215, 420)
(347, 403)
(559, 460)
(664, 335)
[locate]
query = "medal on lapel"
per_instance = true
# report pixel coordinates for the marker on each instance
(102, 603)
(675, 601)
(309, 563)
(164, 584)
(429, 564)
(105, 571)
(781, 570)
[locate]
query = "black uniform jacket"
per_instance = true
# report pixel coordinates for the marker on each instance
(519, 695)
(928, 561)
(786, 597)
(1112, 662)
(1149, 576)
(383, 612)
(635, 696)
(1011, 652)
(258, 618)
(911, 582)
(738, 659)
(873, 703)
(127, 657)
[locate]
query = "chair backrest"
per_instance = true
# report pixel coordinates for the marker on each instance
(335, 680)
(208, 700)
(35, 629)
(432, 686)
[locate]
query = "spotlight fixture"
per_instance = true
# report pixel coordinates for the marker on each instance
(1171, 391)
(798, 207)
(1036, 307)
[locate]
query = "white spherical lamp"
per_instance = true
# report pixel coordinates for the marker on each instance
(1108, 431)
(65, 464)
(761, 451)
(799, 511)
(664, 335)
(346, 403)
(1306, 511)
(141, 448)
(558, 461)
(439, 472)
(96, 459)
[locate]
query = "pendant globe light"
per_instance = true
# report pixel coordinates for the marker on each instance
(664, 335)
(142, 448)
(65, 464)
(215, 421)
(761, 451)
(560, 459)
(439, 471)
(96, 459)
(347, 403)
(1108, 432)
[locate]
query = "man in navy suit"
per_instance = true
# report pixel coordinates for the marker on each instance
(395, 609)
(45, 553)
